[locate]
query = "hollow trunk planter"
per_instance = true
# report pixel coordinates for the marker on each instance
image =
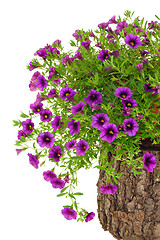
(133, 212)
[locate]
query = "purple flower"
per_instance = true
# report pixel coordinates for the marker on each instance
(33, 86)
(74, 127)
(28, 126)
(66, 59)
(46, 115)
(21, 134)
(109, 132)
(78, 108)
(98, 120)
(126, 111)
(112, 20)
(67, 93)
(52, 93)
(109, 188)
(133, 40)
(156, 89)
(69, 213)
(66, 179)
(39, 99)
(139, 67)
(82, 147)
(18, 151)
(70, 145)
(123, 93)
(36, 108)
(57, 183)
(33, 160)
(143, 52)
(45, 139)
(42, 53)
(57, 42)
(95, 107)
(93, 97)
(91, 34)
(86, 44)
(103, 55)
(130, 126)
(120, 128)
(115, 53)
(41, 82)
(52, 72)
(55, 153)
(139, 116)
(32, 66)
(78, 55)
(103, 25)
(148, 87)
(56, 123)
(129, 103)
(120, 26)
(89, 216)
(49, 175)
(149, 161)
(77, 34)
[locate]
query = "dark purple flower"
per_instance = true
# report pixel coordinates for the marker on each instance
(120, 128)
(35, 75)
(78, 108)
(126, 111)
(145, 61)
(57, 183)
(133, 41)
(49, 175)
(103, 55)
(57, 81)
(70, 145)
(33, 160)
(98, 120)
(69, 213)
(91, 34)
(98, 44)
(103, 25)
(56, 123)
(139, 67)
(139, 116)
(46, 115)
(86, 44)
(41, 82)
(93, 97)
(143, 52)
(66, 59)
(74, 127)
(78, 55)
(109, 132)
(33, 86)
(52, 72)
(53, 50)
(148, 87)
(32, 66)
(156, 89)
(66, 179)
(67, 93)
(130, 126)
(89, 216)
(57, 42)
(109, 188)
(115, 53)
(52, 93)
(21, 134)
(123, 93)
(36, 107)
(112, 20)
(82, 147)
(39, 98)
(120, 26)
(45, 139)
(95, 107)
(129, 103)
(77, 34)
(55, 153)
(149, 161)
(28, 126)
(42, 53)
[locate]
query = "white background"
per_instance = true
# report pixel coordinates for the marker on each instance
(29, 208)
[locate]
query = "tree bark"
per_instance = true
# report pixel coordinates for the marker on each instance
(133, 212)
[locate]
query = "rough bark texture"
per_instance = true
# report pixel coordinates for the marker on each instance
(133, 212)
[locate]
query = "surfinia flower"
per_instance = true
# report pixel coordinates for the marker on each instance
(95, 107)
(28, 126)
(78, 108)
(123, 93)
(103, 25)
(89, 216)
(21, 134)
(131, 126)
(52, 72)
(42, 53)
(66, 59)
(98, 120)
(49, 175)
(41, 82)
(86, 44)
(120, 128)
(148, 87)
(36, 108)
(74, 127)
(52, 93)
(149, 161)
(108, 189)
(33, 160)
(56, 123)
(139, 67)
(55, 153)
(126, 111)
(67, 93)
(82, 147)
(45, 139)
(46, 115)
(156, 89)
(133, 41)
(109, 132)
(103, 55)
(129, 103)
(57, 183)
(70, 145)
(69, 213)
(93, 97)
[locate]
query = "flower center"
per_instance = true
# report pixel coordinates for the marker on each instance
(132, 43)
(84, 147)
(123, 95)
(102, 121)
(129, 104)
(45, 116)
(129, 125)
(67, 93)
(106, 56)
(29, 126)
(38, 109)
(47, 139)
(58, 155)
(111, 132)
(120, 129)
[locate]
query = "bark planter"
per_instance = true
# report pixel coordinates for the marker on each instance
(133, 212)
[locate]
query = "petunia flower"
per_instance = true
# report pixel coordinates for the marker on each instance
(131, 126)
(98, 120)
(133, 41)
(109, 188)
(139, 67)
(28, 126)
(67, 93)
(82, 147)
(49, 175)
(103, 55)
(86, 44)
(89, 216)
(69, 213)
(70, 145)
(129, 103)
(57, 183)
(93, 97)
(21, 134)
(78, 108)
(109, 132)
(45, 139)
(56, 123)
(149, 161)
(46, 115)
(33, 160)
(41, 82)
(74, 127)
(123, 93)
(52, 93)
(55, 153)
(36, 107)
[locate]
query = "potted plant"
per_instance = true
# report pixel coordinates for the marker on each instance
(97, 106)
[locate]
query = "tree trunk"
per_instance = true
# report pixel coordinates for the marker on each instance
(133, 212)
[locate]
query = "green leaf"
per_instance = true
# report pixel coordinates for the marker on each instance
(78, 193)
(61, 194)
(64, 189)
(23, 115)
(99, 167)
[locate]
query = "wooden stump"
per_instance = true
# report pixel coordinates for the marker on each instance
(133, 212)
